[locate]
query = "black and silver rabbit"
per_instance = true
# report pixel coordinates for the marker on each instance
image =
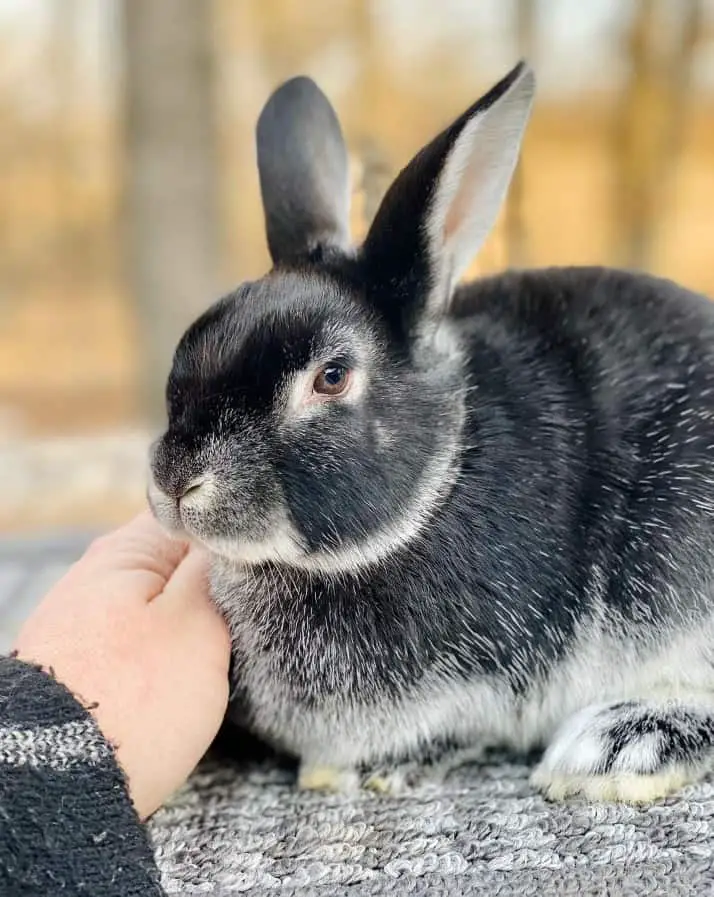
(447, 516)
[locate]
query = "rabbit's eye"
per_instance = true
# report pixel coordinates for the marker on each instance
(332, 380)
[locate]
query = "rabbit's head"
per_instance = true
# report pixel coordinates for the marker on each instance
(314, 415)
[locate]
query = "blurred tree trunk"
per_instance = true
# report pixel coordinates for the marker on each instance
(171, 191)
(650, 120)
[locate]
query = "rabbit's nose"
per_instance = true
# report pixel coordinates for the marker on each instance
(191, 490)
(181, 489)
(174, 469)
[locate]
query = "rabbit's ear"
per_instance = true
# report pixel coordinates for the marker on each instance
(440, 209)
(304, 172)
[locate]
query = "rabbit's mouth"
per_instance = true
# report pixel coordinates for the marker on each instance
(193, 514)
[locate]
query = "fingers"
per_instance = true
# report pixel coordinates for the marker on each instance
(141, 544)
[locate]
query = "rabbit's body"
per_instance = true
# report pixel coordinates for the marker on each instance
(449, 516)
(570, 559)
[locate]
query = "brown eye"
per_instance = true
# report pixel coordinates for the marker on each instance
(332, 380)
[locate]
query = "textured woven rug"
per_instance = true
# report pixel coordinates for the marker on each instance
(239, 826)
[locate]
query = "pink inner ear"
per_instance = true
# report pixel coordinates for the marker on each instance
(461, 206)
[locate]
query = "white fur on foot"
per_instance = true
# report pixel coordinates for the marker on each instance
(586, 758)
(623, 788)
(328, 778)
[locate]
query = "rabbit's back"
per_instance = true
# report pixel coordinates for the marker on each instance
(616, 329)
(601, 385)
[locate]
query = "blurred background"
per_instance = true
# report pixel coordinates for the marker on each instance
(129, 196)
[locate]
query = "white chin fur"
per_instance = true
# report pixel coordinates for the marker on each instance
(283, 547)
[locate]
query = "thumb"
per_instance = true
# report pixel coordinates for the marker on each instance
(188, 586)
(187, 602)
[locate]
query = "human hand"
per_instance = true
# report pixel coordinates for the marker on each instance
(131, 629)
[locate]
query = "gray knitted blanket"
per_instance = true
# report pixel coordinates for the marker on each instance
(241, 827)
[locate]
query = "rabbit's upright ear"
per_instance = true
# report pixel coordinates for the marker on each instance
(441, 207)
(304, 172)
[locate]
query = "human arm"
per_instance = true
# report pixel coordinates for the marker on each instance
(142, 658)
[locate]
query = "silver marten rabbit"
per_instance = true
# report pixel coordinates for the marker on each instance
(449, 516)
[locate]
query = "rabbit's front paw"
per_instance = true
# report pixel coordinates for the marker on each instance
(327, 778)
(630, 752)
(389, 781)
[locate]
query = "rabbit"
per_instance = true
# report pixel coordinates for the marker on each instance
(445, 517)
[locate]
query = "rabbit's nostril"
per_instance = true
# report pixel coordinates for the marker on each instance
(193, 487)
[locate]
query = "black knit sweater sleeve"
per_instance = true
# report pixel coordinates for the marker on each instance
(67, 825)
